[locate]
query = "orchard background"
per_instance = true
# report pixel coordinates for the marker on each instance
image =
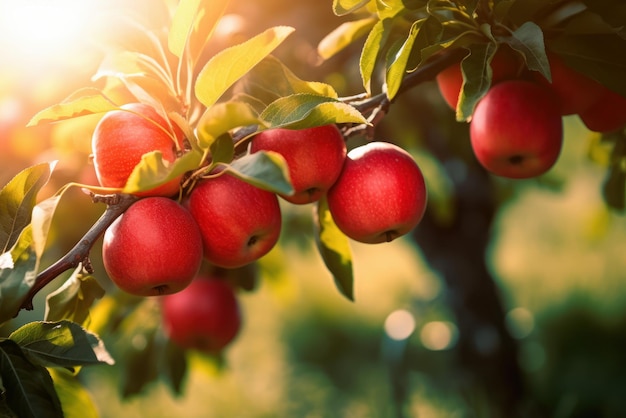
(506, 300)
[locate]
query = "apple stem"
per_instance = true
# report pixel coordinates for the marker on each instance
(161, 290)
(79, 254)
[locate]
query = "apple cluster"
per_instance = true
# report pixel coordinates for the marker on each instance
(375, 193)
(516, 129)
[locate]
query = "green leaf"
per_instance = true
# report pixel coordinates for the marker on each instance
(19, 266)
(343, 36)
(595, 56)
(429, 41)
(73, 299)
(152, 171)
(398, 66)
(344, 7)
(60, 344)
(501, 9)
(173, 364)
(76, 401)
(222, 118)
(140, 365)
(135, 341)
(307, 110)
(17, 200)
(18, 270)
(263, 169)
(611, 11)
(222, 149)
(27, 388)
(528, 40)
(476, 78)
(374, 43)
(229, 65)
(334, 247)
(85, 101)
(614, 188)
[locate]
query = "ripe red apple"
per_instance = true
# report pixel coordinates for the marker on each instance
(239, 223)
(314, 156)
(504, 66)
(607, 113)
(380, 194)
(575, 91)
(154, 248)
(516, 130)
(204, 316)
(122, 137)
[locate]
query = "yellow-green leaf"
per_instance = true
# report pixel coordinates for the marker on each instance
(343, 7)
(222, 117)
(76, 401)
(334, 247)
(85, 101)
(17, 200)
(192, 26)
(344, 35)
(152, 171)
(229, 65)
(369, 54)
(397, 69)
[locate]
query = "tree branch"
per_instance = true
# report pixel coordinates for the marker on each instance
(117, 204)
(376, 107)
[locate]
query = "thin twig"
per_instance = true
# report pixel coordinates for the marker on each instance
(117, 204)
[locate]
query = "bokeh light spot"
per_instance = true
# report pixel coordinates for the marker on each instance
(439, 335)
(399, 325)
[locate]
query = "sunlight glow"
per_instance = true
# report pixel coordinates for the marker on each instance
(36, 31)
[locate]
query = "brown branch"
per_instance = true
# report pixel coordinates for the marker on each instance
(116, 205)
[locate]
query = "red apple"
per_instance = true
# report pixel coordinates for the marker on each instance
(154, 248)
(122, 137)
(239, 222)
(380, 194)
(607, 114)
(575, 91)
(504, 66)
(314, 156)
(204, 316)
(516, 130)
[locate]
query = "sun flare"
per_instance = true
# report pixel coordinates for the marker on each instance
(36, 32)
